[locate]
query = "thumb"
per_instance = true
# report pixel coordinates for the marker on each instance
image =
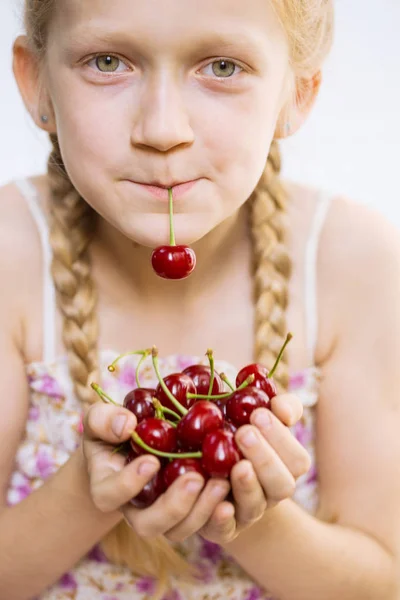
(108, 423)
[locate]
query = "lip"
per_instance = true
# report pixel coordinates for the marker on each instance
(162, 193)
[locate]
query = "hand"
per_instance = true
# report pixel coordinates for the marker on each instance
(178, 513)
(274, 459)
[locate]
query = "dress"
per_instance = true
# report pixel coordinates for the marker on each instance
(54, 428)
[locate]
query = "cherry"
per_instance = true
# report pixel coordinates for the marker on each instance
(229, 426)
(179, 467)
(221, 403)
(262, 377)
(150, 492)
(157, 434)
(261, 380)
(202, 418)
(243, 402)
(201, 376)
(173, 262)
(140, 403)
(179, 384)
(220, 453)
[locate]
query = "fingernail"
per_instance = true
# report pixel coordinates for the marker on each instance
(118, 425)
(147, 468)
(193, 486)
(249, 438)
(218, 490)
(263, 419)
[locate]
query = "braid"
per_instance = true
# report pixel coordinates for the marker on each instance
(272, 266)
(72, 226)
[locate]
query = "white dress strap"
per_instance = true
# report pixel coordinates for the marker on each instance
(31, 196)
(311, 264)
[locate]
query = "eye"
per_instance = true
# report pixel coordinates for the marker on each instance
(224, 69)
(108, 63)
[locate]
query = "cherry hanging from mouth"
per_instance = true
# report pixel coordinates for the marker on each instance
(173, 262)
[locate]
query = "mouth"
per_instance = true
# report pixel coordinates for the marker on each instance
(161, 191)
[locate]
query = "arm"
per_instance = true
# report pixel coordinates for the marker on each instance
(352, 551)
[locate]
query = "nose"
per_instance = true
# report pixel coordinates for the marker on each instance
(162, 122)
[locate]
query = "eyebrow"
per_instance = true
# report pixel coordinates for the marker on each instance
(229, 42)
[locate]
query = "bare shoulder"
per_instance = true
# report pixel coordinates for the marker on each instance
(20, 258)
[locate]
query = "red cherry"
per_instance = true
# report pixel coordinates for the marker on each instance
(157, 434)
(150, 492)
(243, 402)
(261, 380)
(179, 467)
(202, 418)
(173, 262)
(220, 453)
(140, 403)
(201, 375)
(179, 385)
(221, 403)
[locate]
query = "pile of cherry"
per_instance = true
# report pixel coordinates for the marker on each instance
(189, 421)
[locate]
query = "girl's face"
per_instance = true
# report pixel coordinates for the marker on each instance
(166, 91)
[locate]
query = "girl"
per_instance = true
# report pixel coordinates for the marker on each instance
(139, 96)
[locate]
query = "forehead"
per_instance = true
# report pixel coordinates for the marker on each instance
(171, 21)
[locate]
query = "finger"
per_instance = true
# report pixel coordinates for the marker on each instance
(250, 501)
(282, 440)
(287, 408)
(275, 478)
(108, 423)
(169, 509)
(116, 483)
(214, 492)
(221, 527)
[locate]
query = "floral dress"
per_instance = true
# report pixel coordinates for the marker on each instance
(53, 433)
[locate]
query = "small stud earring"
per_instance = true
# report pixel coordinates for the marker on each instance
(44, 119)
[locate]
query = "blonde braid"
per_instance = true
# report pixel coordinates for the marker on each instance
(72, 227)
(272, 266)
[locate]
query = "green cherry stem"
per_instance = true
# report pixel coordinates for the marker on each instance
(226, 380)
(172, 241)
(272, 371)
(178, 405)
(138, 440)
(158, 406)
(245, 383)
(143, 353)
(117, 449)
(210, 357)
(102, 394)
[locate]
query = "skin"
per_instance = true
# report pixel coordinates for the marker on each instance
(170, 75)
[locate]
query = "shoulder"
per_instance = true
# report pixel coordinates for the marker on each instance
(359, 272)
(20, 259)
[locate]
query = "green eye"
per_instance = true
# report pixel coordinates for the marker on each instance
(225, 68)
(107, 64)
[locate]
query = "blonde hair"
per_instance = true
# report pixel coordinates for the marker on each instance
(309, 28)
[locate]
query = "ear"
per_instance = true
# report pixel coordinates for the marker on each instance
(298, 109)
(27, 72)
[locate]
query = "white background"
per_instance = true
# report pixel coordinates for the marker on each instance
(351, 143)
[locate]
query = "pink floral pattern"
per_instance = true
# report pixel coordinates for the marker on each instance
(53, 432)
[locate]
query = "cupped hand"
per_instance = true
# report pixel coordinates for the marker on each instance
(273, 461)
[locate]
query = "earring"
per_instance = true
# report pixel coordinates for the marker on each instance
(44, 119)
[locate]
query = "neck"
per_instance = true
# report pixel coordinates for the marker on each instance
(217, 255)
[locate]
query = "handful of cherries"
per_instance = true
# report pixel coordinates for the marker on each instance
(189, 421)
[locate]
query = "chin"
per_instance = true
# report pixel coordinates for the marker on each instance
(152, 231)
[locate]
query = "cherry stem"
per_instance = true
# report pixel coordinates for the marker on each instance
(157, 405)
(226, 380)
(144, 354)
(272, 371)
(211, 361)
(117, 449)
(138, 440)
(102, 394)
(170, 396)
(245, 383)
(172, 241)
